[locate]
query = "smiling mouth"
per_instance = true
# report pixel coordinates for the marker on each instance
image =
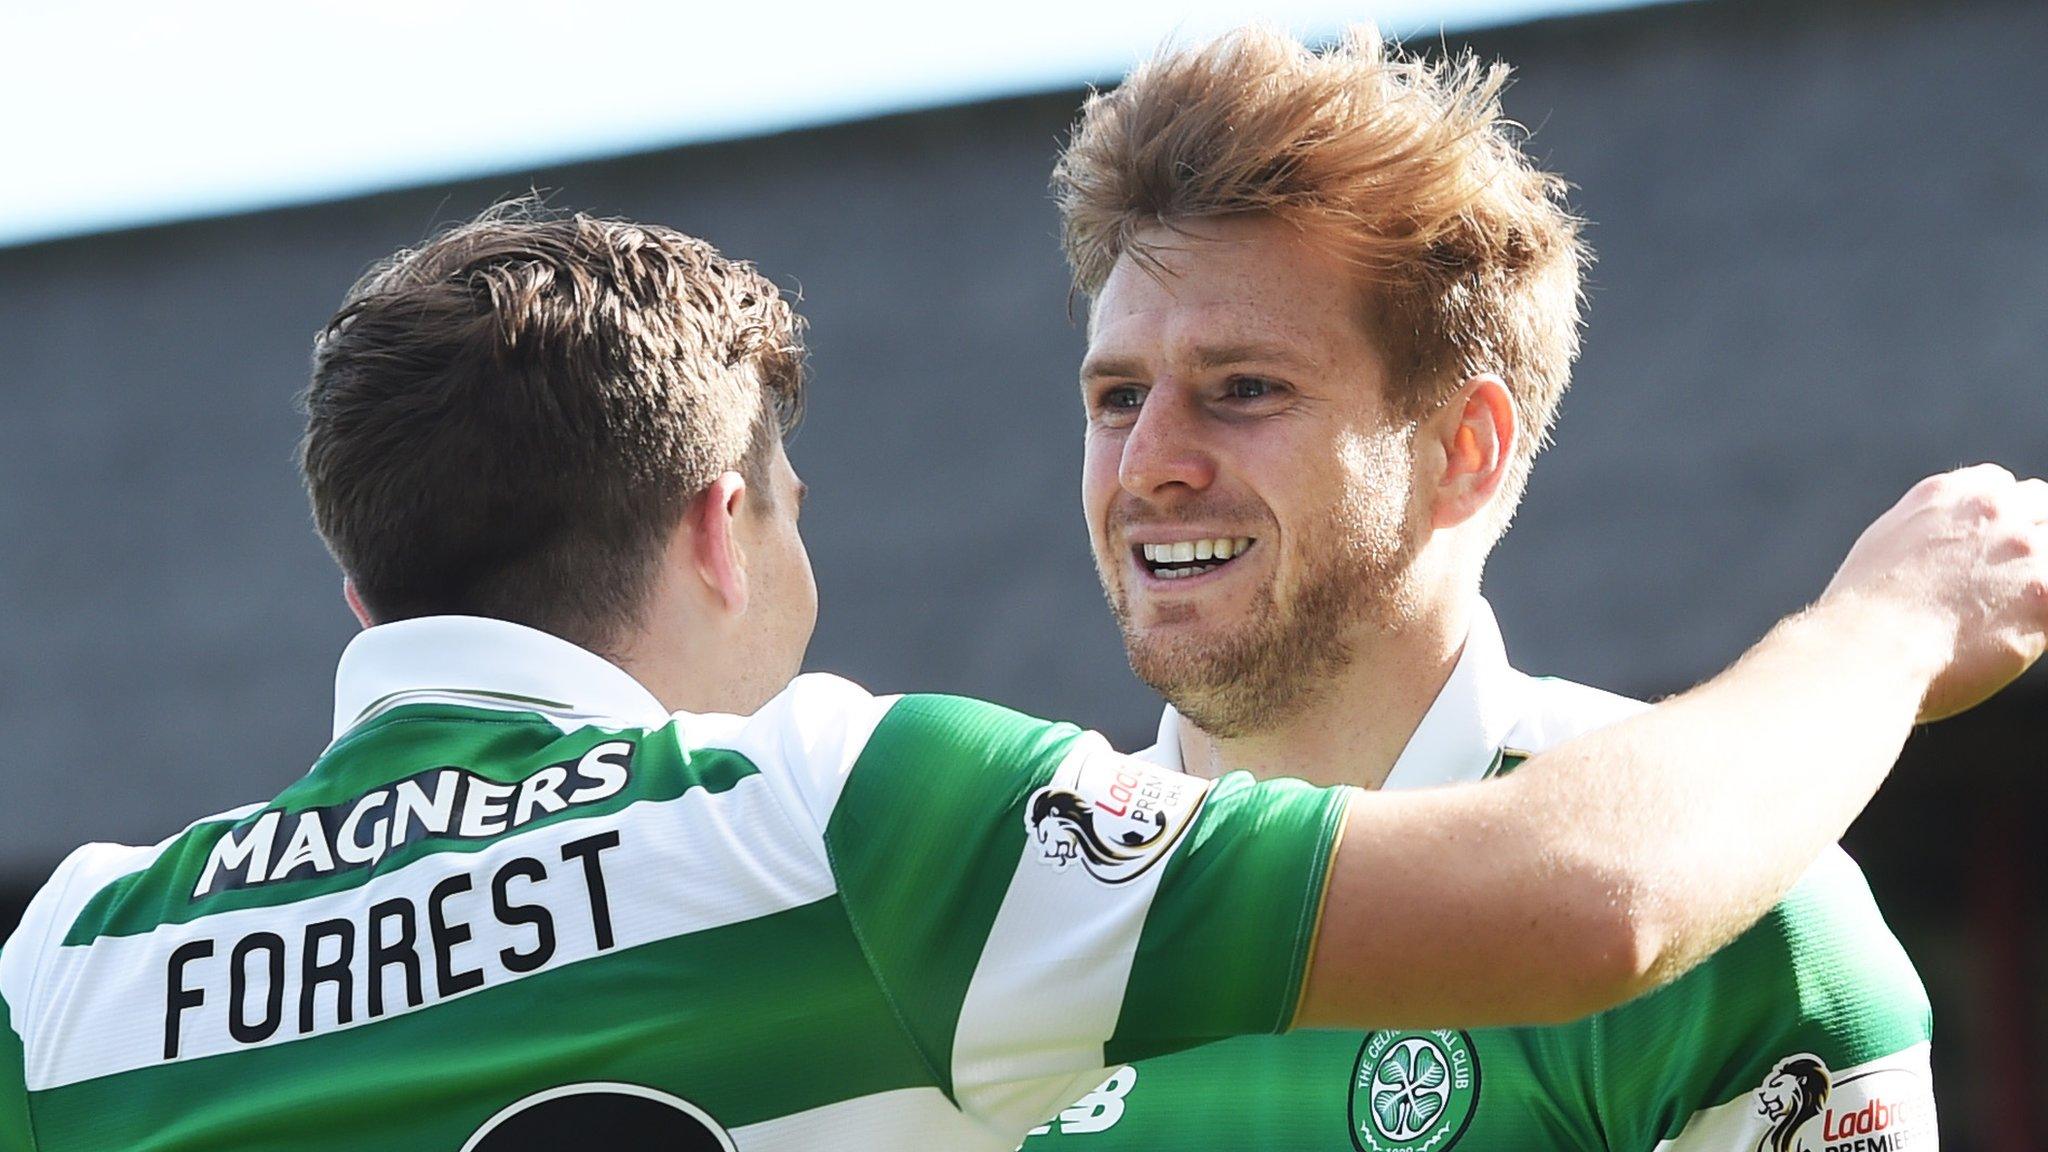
(1185, 558)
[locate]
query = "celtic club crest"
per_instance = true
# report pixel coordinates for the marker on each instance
(1413, 1091)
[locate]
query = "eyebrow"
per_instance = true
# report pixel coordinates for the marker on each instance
(1097, 368)
(1204, 358)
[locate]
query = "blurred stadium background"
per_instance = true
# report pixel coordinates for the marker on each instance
(1823, 239)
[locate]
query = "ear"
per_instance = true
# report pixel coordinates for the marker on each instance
(721, 563)
(355, 603)
(1474, 435)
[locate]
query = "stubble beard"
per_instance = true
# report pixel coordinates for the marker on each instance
(1356, 576)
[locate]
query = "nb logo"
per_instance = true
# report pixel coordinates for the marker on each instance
(1099, 1109)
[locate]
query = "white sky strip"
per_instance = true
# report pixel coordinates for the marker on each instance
(126, 112)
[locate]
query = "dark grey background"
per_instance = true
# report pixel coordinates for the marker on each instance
(1823, 237)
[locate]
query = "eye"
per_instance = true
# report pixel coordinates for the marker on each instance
(1252, 388)
(1117, 398)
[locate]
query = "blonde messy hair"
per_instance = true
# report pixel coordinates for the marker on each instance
(1469, 259)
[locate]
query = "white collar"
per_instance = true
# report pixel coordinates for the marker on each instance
(484, 663)
(1459, 736)
(1469, 721)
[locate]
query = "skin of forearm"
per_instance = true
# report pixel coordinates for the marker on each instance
(1616, 861)
(1731, 790)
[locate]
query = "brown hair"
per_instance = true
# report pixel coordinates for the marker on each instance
(508, 420)
(1469, 259)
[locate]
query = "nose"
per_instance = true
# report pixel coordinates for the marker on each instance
(1164, 449)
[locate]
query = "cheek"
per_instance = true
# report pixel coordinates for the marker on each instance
(794, 585)
(806, 579)
(1284, 480)
(1100, 459)
(1376, 472)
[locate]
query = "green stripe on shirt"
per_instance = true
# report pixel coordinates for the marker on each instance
(1226, 944)
(1820, 973)
(924, 841)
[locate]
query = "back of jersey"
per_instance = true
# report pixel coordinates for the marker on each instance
(466, 928)
(544, 910)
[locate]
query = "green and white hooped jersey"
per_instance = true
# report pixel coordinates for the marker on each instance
(1810, 1032)
(517, 904)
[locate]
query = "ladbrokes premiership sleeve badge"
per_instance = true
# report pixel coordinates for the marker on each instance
(1111, 815)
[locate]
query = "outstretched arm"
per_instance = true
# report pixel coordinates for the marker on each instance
(1619, 860)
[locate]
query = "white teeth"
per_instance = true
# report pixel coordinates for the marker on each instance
(1191, 551)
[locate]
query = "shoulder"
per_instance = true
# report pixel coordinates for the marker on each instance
(1820, 976)
(55, 905)
(1824, 951)
(83, 881)
(956, 754)
(1815, 1013)
(803, 741)
(1820, 979)
(1821, 967)
(1842, 962)
(1823, 956)
(822, 732)
(1851, 974)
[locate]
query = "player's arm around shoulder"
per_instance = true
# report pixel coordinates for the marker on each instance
(1615, 862)
(1812, 1026)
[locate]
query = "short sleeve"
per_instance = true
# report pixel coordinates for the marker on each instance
(1226, 944)
(1031, 900)
(1811, 1025)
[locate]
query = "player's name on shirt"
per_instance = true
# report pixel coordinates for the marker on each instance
(506, 924)
(420, 888)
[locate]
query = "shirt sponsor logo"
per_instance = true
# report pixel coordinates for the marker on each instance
(442, 804)
(1413, 1091)
(1116, 819)
(1805, 1108)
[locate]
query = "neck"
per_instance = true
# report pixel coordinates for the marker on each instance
(686, 662)
(1357, 725)
(692, 646)
(677, 692)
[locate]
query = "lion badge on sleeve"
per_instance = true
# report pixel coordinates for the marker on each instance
(1793, 1094)
(1115, 818)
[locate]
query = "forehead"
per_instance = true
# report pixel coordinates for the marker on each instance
(1235, 283)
